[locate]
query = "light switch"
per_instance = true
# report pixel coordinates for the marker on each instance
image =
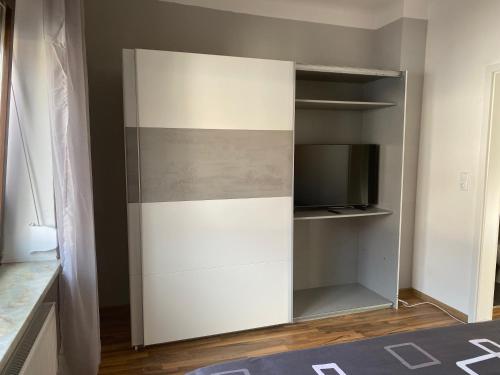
(464, 181)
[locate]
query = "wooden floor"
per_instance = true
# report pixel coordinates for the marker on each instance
(179, 358)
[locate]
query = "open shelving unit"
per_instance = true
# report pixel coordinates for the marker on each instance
(347, 261)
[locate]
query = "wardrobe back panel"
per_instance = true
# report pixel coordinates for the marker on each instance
(335, 127)
(325, 253)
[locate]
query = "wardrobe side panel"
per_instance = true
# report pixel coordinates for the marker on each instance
(132, 157)
(380, 239)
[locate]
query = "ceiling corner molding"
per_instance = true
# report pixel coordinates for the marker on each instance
(416, 9)
(399, 9)
(366, 14)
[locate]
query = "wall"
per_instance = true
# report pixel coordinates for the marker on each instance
(371, 14)
(30, 90)
(401, 45)
(116, 24)
(462, 41)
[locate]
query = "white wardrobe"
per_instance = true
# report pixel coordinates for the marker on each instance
(209, 151)
(209, 165)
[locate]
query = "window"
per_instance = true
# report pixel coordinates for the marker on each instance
(6, 39)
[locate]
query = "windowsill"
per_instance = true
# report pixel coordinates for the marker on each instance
(23, 287)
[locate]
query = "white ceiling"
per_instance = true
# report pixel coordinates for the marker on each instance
(370, 14)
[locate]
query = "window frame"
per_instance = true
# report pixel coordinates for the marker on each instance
(6, 74)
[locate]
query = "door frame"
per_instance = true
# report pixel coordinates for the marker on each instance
(487, 221)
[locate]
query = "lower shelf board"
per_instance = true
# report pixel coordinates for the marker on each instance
(321, 302)
(340, 213)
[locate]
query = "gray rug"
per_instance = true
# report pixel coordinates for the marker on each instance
(472, 349)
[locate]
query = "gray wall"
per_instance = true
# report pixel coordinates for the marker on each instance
(112, 25)
(401, 45)
(413, 46)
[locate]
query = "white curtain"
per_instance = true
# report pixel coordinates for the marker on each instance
(79, 318)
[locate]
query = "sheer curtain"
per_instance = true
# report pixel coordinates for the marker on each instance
(79, 318)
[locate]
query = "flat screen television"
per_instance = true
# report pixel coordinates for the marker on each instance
(336, 175)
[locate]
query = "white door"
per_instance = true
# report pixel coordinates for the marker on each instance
(483, 291)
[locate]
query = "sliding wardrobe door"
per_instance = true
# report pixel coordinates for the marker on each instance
(213, 148)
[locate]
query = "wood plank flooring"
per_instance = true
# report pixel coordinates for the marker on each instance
(181, 357)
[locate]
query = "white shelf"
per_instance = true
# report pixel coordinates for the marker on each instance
(340, 105)
(335, 300)
(342, 74)
(341, 213)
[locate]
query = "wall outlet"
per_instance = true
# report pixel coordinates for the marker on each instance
(464, 181)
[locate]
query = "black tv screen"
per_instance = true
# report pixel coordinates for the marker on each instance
(336, 175)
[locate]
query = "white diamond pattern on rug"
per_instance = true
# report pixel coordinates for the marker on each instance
(328, 366)
(432, 361)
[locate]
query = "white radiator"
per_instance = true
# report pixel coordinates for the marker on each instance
(37, 352)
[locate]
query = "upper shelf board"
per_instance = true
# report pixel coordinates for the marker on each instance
(342, 74)
(339, 105)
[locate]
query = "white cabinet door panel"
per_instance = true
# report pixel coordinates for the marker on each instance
(199, 303)
(187, 90)
(181, 236)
